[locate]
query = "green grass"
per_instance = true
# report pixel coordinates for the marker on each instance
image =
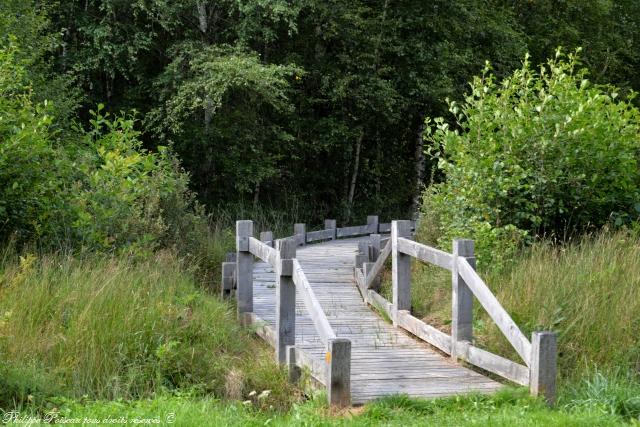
(508, 408)
(110, 327)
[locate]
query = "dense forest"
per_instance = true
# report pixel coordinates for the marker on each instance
(134, 133)
(311, 103)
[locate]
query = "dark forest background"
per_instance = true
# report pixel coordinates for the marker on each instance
(310, 106)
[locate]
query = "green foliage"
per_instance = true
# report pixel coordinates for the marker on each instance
(536, 154)
(113, 328)
(232, 94)
(617, 394)
(508, 408)
(98, 189)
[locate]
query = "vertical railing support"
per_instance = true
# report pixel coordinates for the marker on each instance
(338, 372)
(401, 269)
(375, 244)
(285, 299)
(544, 354)
(363, 254)
(292, 365)
(331, 224)
(267, 237)
(461, 297)
(301, 234)
(244, 268)
(228, 273)
(372, 224)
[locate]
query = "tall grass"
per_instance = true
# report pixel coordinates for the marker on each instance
(111, 327)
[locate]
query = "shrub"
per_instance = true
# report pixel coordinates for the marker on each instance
(97, 189)
(540, 153)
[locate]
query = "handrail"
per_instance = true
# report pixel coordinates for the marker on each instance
(539, 356)
(425, 253)
(263, 251)
(319, 318)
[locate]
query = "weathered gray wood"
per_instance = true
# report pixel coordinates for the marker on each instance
(293, 369)
(544, 354)
(375, 243)
(363, 254)
(380, 302)
(299, 230)
(331, 224)
(263, 251)
(267, 238)
(285, 302)
(316, 366)
(461, 296)
(372, 223)
(372, 275)
(228, 274)
(230, 257)
(366, 270)
(401, 269)
(244, 267)
(314, 236)
(425, 253)
(384, 227)
(359, 277)
(356, 230)
(499, 315)
(385, 360)
(338, 379)
(512, 371)
(423, 331)
(322, 325)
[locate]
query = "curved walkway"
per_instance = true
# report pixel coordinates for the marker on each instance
(385, 360)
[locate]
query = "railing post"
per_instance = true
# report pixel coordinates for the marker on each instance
(544, 354)
(461, 297)
(244, 268)
(401, 269)
(292, 366)
(363, 254)
(301, 234)
(285, 299)
(267, 237)
(338, 372)
(330, 224)
(374, 243)
(372, 224)
(228, 272)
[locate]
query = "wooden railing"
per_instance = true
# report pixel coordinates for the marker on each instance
(335, 370)
(539, 354)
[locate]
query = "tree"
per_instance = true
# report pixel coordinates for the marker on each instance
(536, 154)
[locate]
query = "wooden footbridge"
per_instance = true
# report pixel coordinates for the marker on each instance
(310, 296)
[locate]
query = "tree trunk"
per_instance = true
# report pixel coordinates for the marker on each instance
(354, 175)
(420, 164)
(202, 16)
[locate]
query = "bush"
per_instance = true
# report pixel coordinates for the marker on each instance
(544, 153)
(99, 189)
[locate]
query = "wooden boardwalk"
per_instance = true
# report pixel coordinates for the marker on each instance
(384, 359)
